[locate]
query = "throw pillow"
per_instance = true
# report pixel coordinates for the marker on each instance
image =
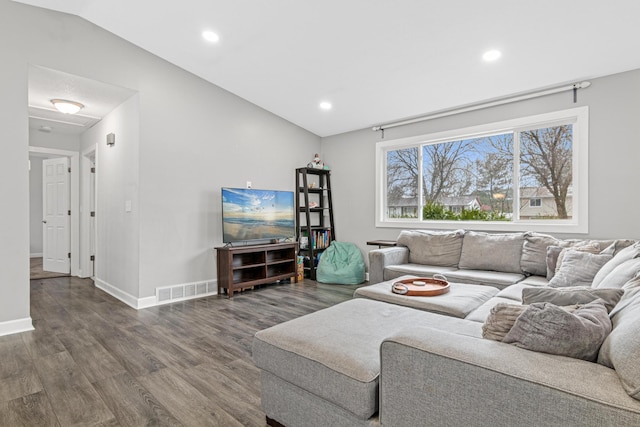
(578, 269)
(534, 252)
(441, 248)
(592, 248)
(547, 328)
(629, 252)
(621, 349)
(503, 315)
(571, 295)
(500, 320)
(620, 275)
(552, 260)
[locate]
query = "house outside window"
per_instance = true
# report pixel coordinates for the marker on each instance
(523, 174)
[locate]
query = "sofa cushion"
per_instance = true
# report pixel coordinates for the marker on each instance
(534, 253)
(433, 247)
(621, 349)
(572, 295)
(497, 252)
(578, 269)
(514, 292)
(334, 353)
(481, 313)
(420, 270)
(461, 299)
(547, 328)
(497, 279)
(626, 254)
(620, 275)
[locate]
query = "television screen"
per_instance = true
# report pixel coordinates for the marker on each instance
(249, 214)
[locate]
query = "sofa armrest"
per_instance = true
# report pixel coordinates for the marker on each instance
(380, 258)
(433, 377)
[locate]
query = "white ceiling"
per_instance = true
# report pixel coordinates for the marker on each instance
(376, 61)
(98, 99)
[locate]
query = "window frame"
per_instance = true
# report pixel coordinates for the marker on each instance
(537, 204)
(579, 223)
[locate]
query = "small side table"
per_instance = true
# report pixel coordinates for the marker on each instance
(381, 243)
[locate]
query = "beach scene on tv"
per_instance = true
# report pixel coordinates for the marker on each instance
(249, 214)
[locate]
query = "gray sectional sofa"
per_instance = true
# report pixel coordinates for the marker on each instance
(394, 360)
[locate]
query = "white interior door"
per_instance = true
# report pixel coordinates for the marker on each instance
(56, 216)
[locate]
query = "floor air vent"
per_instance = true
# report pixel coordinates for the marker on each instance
(185, 291)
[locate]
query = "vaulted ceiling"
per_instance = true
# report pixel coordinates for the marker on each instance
(375, 61)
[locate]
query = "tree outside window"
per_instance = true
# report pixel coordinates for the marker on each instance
(472, 179)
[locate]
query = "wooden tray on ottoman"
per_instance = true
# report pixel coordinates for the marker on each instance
(421, 286)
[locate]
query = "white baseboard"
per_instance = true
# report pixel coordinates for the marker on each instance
(175, 293)
(123, 296)
(16, 326)
(36, 255)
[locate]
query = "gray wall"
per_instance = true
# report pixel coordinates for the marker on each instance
(185, 153)
(614, 150)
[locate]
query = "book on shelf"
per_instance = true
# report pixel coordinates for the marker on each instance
(321, 239)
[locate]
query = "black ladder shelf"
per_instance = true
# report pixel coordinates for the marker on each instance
(315, 215)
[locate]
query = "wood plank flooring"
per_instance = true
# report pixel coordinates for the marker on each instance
(94, 361)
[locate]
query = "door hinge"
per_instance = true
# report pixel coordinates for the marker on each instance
(69, 212)
(93, 170)
(92, 214)
(69, 170)
(69, 255)
(92, 258)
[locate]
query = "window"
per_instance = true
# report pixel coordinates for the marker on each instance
(523, 174)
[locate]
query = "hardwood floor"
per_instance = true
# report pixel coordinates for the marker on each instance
(92, 360)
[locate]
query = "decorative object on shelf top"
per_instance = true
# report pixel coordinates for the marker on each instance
(316, 163)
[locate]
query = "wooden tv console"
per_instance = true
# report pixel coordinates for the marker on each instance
(241, 267)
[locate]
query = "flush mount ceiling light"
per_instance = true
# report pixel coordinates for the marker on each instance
(210, 36)
(491, 55)
(67, 107)
(325, 105)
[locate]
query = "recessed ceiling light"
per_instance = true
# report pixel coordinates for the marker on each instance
(491, 55)
(67, 107)
(210, 36)
(325, 105)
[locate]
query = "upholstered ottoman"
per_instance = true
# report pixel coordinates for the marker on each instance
(323, 368)
(461, 299)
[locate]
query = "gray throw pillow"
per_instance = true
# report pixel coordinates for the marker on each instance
(501, 318)
(571, 295)
(534, 252)
(621, 349)
(503, 315)
(592, 248)
(547, 328)
(578, 269)
(441, 248)
(552, 260)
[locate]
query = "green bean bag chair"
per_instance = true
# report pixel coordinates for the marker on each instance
(342, 264)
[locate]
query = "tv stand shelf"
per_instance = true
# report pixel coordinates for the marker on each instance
(241, 267)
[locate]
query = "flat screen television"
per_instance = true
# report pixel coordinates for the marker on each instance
(252, 215)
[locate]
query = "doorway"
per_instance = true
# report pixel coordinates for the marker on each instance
(54, 230)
